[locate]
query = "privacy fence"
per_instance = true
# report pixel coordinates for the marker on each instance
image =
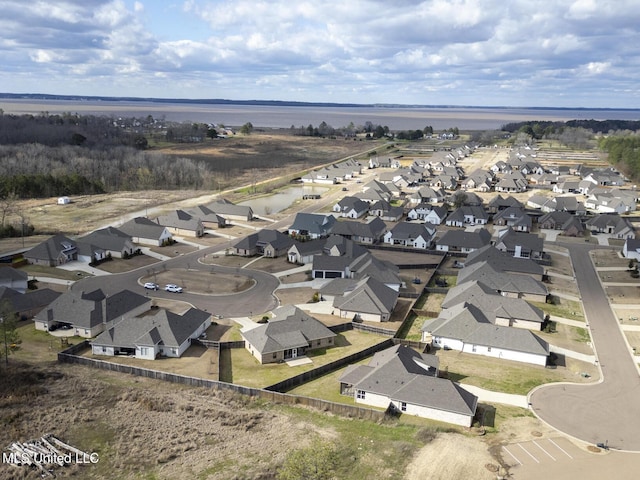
(351, 411)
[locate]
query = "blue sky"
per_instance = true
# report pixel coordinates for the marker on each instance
(557, 53)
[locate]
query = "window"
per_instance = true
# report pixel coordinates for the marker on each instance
(331, 340)
(275, 355)
(403, 406)
(473, 348)
(144, 351)
(318, 343)
(488, 349)
(360, 394)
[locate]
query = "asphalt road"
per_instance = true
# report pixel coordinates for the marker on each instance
(255, 301)
(608, 411)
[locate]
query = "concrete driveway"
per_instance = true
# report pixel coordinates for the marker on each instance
(609, 410)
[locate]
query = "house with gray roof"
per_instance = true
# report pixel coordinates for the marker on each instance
(351, 207)
(467, 215)
(231, 211)
(463, 241)
(342, 258)
(303, 252)
(369, 233)
(520, 244)
(406, 381)
(147, 337)
(386, 211)
(88, 313)
(499, 203)
(427, 195)
(291, 333)
(111, 240)
(312, 225)
(13, 278)
(631, 248)
(366, 299)
(503, 262)
(146, 232)
(409, 234)
(209, 218)
(54, 251)
(268, 243)
(499, 309)
(570, 225)
(183, 223)
(612, 225)
(506, 283)
(27, 304)
(467, 329)
(426, 212)
(514, 217)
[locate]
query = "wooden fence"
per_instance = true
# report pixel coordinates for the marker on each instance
(344, 410)
(309, 375)
(372, 329)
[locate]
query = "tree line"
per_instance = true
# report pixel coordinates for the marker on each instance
(623, 150)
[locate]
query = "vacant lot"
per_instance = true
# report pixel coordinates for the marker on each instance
(261, 160)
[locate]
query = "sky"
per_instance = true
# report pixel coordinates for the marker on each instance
(529, 53)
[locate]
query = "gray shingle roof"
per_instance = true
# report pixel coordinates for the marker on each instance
(290, 328)
(165, 328)
(87, 310)
(142, 227)
(368, 296)
(397, 373)
(501, 261)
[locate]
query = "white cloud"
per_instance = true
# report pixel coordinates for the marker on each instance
(357, 51)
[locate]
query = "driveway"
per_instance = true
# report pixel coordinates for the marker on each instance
(609, 410)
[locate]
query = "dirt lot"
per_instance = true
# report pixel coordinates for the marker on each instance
(624, 295)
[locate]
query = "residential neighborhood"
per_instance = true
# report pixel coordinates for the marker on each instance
(384, 281)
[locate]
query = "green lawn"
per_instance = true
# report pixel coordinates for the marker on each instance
(565, 309)
(42, 271)
(246, 370)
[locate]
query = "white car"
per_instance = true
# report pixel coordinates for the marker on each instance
(173, 288)
(151, 286)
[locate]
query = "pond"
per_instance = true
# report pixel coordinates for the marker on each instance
(281, 200)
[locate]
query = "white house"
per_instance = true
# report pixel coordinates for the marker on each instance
(404, 380)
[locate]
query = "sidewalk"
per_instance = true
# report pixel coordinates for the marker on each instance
(489, 396)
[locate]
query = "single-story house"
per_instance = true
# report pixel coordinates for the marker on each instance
(181, 222)
(463, 241)
(312, 225)
(415, 235)
(164, 333)
(406, 381)
(366, 299)
(88, 313)
(268, 243)
(111, 241)
(465, 328)
(146, 232)
(54, 251)
(291, 333)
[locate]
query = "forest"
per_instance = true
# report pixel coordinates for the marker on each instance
(624, 152)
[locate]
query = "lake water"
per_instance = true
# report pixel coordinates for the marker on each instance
(396, 118)
(282, 200)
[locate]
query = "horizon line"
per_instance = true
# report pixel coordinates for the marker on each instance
(291, 103)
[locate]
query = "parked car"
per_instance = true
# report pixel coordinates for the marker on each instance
(151, 286)
(173, 288)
